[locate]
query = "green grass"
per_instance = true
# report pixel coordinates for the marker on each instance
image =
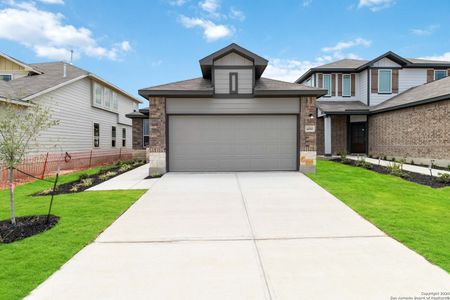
(416, 215)
(25, 264)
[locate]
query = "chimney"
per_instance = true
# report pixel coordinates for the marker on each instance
(64, 70)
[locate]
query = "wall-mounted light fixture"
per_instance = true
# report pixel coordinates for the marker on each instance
(311, 116)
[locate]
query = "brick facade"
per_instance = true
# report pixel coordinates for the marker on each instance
(320, 136)
(157, 148)
(308, 140)
(338, 134)
(419, 133)
(137, 134)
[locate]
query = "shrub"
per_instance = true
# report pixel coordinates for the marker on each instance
(363, 163)
(87, 182)
(124, 168)
(444, 178)
(107, 175)
(74, 189)
(47, 191)
(397, 170)
(448, 167)
(83, 176)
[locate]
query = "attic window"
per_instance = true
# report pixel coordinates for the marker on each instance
(5, 77)
(233, 83)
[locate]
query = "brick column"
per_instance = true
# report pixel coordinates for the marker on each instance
(137, 134)
(157, 123)
(308, 138)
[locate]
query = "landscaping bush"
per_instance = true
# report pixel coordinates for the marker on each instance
(444, 178)
(364, 164)
(396, 169)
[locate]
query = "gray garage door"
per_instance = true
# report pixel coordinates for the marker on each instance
(232, 143)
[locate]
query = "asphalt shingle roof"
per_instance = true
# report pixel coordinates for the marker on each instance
(341, 106)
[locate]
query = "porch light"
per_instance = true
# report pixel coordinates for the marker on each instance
(311, 116)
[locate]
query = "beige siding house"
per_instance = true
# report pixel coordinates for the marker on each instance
(91, 111)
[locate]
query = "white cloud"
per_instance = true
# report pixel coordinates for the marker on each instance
(292, 69)
(425, 31)
(376, 5)
(210, 6)
(237, 14)
(306, 3)
(444, 57)
(45, 33)
(52, 1)
(211, 31)
(177, 2)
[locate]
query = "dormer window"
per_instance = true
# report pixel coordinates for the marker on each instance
(233, 83)
(5, 77)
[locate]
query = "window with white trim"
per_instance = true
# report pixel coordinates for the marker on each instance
(124, 137)
(145, 133)
(384, 81)
(104, 97)
(96, 135)
(327, 83)
(346, 85)
(113, 136)
(5, 77)
(439, 74)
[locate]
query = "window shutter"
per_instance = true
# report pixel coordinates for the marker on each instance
(430, 75)
(320, 79)
(339, 85)
(374, 81)
(395, 81)
(352, 84)
(333, 85)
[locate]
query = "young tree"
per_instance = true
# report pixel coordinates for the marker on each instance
(20, 127)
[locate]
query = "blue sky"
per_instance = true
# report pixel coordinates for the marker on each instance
(135, 44)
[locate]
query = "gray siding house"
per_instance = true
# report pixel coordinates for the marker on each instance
(387, 106)
(91, 110)
(231, 119)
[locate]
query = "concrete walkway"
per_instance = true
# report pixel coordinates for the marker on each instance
(131, 180)
(242, 236)
(406, 167)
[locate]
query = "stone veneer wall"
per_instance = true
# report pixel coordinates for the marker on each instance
(137, 134)
(157, 148)
(320, 136)
(417, 133)
(338, 134)
(308, 140)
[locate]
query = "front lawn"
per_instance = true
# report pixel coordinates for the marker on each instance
(27, 263)
(416, 215)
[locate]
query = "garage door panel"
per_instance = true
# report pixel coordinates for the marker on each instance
(232, 143)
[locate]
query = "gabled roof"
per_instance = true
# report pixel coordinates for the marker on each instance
(49, 78)
(425, 93)
(207, 62)
(356, 65)
(201, 87)
(20, 63)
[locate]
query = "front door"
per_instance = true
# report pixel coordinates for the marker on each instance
(358, 137)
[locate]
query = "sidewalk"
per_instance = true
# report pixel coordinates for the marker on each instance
(131, 180)
(406, 167)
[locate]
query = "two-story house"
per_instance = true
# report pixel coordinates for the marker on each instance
(384, 107)
(90, 110)
(231, 119)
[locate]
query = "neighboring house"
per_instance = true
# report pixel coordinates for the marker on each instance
(363, 110)
(141, 128)
(232, 119)
(91, 110)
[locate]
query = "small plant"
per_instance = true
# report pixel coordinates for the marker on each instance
(412, 162)
(74, 189)
(124, 168)
(444, 178)
(155, 175)
(107, 175)
(363, 163)
(448, 167)
(47, 192)
(87, 182)
(396, 169)
(83, 176)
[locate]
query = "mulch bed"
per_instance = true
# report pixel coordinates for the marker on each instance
(410, 176)
(78, 186)
(25, 227)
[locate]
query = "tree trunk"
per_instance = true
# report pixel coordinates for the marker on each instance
(11, 195)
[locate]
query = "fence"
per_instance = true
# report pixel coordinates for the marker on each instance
(48, 164)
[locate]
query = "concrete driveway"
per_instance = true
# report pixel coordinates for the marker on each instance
(271, 235)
